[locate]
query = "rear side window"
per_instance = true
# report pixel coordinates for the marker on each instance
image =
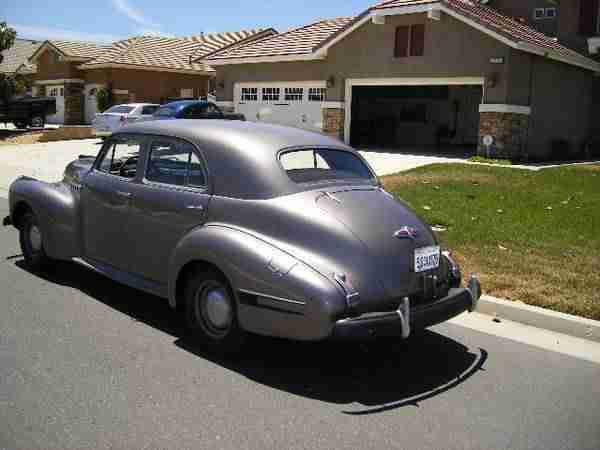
(175, 163)
(149, 110)
(316, 165)
(165, 111)
(120, 109)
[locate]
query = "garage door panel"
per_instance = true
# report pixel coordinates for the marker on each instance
(298, 105)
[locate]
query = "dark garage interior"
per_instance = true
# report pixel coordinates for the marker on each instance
(438, 119)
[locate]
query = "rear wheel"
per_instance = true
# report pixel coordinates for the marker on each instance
(37, 122)
(211, 312)
(31, 239)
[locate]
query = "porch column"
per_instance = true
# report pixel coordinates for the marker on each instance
(333, 119)
(74, 99)
(508, 125)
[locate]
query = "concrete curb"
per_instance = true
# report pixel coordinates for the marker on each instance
(540, 318)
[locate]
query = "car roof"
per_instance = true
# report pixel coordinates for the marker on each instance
(135, 105)
(180, 104)
(243, 156)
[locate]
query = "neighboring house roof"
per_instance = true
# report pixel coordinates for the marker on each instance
(18, 55)
(299, 41)
(291, 46)
(71, 50)
(170, 54)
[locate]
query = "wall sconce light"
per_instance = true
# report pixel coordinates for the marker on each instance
(331, 81)
(491, 80)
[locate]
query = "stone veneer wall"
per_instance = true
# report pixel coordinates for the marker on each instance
(333, 122)
(510, 131)
(74, 114)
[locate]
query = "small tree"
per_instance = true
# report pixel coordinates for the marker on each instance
(103, 99)
(8, 85)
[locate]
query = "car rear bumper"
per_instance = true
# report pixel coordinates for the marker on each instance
(400, 323)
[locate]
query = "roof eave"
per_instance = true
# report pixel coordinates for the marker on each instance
(265, 59)
(207, 71)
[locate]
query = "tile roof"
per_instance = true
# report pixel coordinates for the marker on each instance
(306, 40)
(169, 53)
(18, 55)
(77, 49)
(299, 41)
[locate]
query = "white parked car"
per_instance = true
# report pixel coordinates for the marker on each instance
(118, 116)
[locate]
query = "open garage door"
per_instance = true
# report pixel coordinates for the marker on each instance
(421, 118)
(293, 104)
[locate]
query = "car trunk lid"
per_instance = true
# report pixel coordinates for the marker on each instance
(376, 218)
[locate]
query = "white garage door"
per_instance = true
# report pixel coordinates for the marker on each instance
(58, 92)
(284, 103)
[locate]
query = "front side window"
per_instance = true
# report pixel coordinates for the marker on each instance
(120, 157)
(149, 110)
(175, 163)
(249, 94)
(324, 165)
(410, 41)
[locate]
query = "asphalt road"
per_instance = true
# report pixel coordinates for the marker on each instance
(86, 363)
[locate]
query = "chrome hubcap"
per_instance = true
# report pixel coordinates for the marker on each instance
(36, 122)
(35, 238)
(213, 309)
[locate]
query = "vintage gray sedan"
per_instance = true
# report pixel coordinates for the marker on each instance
(245, 227)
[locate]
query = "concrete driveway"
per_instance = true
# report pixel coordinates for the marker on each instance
(47, 161)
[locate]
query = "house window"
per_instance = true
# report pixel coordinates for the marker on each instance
(53, 92)
(316, 94)
(410, 41)
(294, 94)
(249, 94)
(271, 94)
(544, 13)
(186, 93)
(62, 92)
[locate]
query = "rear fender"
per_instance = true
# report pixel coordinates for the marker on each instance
(56, 208)
(254, 266)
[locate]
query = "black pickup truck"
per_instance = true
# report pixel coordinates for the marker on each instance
(26, 112)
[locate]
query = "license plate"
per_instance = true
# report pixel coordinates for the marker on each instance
(427, 258)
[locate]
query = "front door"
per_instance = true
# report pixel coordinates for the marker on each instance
(106, 202)
(171, 200)
(91, 103)
(58, 93)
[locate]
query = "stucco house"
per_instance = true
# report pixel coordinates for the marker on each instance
(139, 69)
(426, 74)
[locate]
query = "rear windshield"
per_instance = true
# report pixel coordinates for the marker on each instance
(165, 111)
(120, 109)
(318, 165)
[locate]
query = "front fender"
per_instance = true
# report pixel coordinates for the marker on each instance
(252, 267)
(56, 208)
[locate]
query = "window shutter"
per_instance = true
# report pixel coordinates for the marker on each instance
(588, 17)
(401, 47)
(417, 40)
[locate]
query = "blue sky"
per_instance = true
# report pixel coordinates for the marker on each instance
(109, 20)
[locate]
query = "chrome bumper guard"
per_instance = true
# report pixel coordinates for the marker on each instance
(400, 323)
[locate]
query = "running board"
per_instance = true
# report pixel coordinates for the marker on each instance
(126, 278)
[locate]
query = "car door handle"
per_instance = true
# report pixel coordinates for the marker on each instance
(123, 194)
(195, 207)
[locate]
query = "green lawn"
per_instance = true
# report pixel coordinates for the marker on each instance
(531, 236)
